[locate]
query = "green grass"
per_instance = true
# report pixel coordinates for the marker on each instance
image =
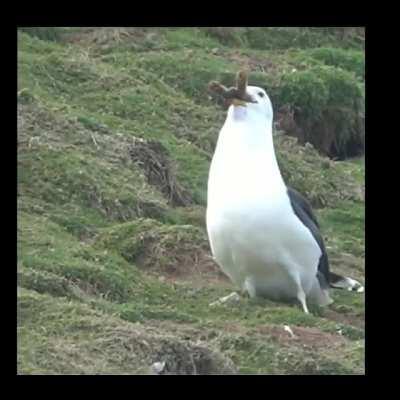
(346, 222)
(111, 277)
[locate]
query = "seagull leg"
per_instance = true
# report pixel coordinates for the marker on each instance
(249, 288)
(302, 298)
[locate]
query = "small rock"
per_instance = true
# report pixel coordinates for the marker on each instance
(288, 329)
(158, 367)
(308, 146)
(230, 299)
(215, 50)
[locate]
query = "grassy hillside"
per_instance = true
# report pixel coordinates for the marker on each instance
(116, 131)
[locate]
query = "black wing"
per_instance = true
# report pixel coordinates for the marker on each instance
(298, 198)
(303, 211)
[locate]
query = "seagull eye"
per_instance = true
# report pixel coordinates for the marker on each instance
(261, 94)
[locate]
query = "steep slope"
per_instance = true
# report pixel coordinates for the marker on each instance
(115, 136)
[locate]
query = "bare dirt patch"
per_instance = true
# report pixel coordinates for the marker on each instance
(304, 336)
(349, 318)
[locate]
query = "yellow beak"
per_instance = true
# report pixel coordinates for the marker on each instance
(237, 102)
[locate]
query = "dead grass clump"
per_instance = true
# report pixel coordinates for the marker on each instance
(315, 176)
(178, 252)
(107, 38)
(153, 158)
(80, 340)
(180, 358)
(171, 251)
(226, 35)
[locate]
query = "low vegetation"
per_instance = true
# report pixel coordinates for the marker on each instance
(116, 131)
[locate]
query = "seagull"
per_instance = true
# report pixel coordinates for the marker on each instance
(264, 235)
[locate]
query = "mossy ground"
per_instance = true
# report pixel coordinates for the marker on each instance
(111, 277)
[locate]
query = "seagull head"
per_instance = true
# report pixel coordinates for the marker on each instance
(257, 107)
